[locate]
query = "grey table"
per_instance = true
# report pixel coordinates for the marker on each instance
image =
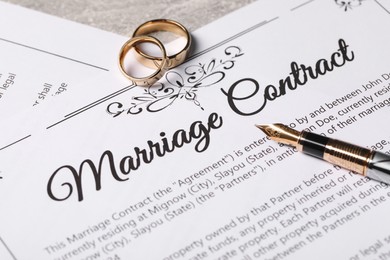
(123, 16)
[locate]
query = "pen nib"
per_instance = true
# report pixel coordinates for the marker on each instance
(281, 133)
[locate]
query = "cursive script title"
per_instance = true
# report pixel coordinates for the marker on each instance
(198, 132)
(299, 76)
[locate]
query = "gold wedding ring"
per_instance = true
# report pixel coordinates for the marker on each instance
(160, 64)
(168, 26)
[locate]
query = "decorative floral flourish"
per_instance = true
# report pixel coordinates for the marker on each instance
(180, 87)
(348, 5)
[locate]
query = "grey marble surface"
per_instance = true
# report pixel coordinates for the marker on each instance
(123, 16)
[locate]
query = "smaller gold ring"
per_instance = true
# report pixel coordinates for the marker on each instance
(160, 64)
(168, 26)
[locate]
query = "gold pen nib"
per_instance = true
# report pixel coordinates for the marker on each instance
(281, 133)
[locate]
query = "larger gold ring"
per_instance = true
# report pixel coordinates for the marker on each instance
(168, 26)
(160, 64)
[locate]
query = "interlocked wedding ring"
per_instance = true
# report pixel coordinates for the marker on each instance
(160, 64)
(168, 26)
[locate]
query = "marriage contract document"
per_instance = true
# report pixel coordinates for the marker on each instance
(179, 171)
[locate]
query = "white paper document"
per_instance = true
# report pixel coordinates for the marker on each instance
(42, 59)
(179, 171)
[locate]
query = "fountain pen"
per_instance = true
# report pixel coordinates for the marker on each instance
(372, 164)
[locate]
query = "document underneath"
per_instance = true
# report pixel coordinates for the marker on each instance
(179, 171)
(45, 59)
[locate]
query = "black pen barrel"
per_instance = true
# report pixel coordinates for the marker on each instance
(313, 144)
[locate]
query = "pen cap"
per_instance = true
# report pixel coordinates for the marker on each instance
(378, 167)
